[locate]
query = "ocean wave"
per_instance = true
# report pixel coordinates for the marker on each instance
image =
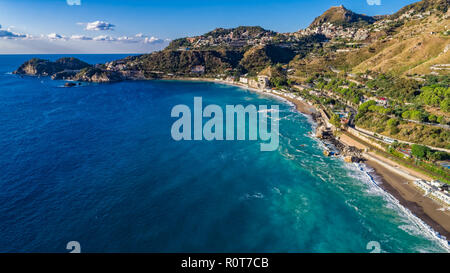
(256, 195)
(277, 190)
(419, 228)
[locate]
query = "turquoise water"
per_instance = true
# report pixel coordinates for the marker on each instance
(96, 164)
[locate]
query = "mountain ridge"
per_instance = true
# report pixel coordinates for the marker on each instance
(338, 38)
(339, 15)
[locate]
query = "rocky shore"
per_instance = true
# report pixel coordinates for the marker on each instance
(396, 180)
(71, 69)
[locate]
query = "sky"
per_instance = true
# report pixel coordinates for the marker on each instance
(142, 26)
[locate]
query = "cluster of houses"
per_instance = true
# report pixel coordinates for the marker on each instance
(333, 31)
(381, 101)
(230, 39)
(260, 82)
(198, 69)
(435, 189)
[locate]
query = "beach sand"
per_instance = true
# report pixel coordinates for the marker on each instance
(398, 181)
(410, 197)
(301, 106)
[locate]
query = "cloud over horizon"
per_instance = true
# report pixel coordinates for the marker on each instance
(11, 42)
(54, 42)
(8, 34)
(55, 36)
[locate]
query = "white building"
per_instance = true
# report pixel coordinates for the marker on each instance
(243, 80)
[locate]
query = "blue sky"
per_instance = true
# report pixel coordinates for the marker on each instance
(111, 26)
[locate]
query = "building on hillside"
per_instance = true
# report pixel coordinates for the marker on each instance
(229, 79)
(388, 140)
(445, 164)
(381, 101)
(191, 39)
(243, 80)
(198, 69)
(406, 153)
(263, 81)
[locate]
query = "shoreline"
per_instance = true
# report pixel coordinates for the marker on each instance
(422, 207)
(396, 181)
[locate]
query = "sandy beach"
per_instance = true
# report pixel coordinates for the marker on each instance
(398, 181)
(409, 196)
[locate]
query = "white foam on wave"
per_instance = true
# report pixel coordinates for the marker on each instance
(268, 110)
(417, 227)
(256, 195)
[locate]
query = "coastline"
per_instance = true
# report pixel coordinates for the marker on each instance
(396, 181)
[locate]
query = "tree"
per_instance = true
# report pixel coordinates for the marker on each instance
(392, 122)
(441, 120)
(335, 120)
(363, 108)
(437, 156)
(419, 151)
(432, 118)
(445, 104)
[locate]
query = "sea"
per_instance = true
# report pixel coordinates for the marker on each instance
(96, 164)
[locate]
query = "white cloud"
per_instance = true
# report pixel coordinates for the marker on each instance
(128, 39)
(73, 2)
(104, 38)
(42, 45)
(152, 40)
(80, 37)
(374, 2)
(149, 39)
(10, 35)
(98, 25)
(55, 36)
(138, 38)
(12, 42)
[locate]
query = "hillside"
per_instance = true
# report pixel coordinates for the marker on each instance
(243, 36)
(440, 6)
(340, 16)
(415, 40)
(419, 44)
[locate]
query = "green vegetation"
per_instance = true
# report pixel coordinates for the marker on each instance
(335, 120)
(407, 131)
(401, 89)
(420, 151)
(258, 58)
(279, 78)
(435, 95)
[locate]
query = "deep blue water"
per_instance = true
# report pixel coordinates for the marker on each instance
(96, 164)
